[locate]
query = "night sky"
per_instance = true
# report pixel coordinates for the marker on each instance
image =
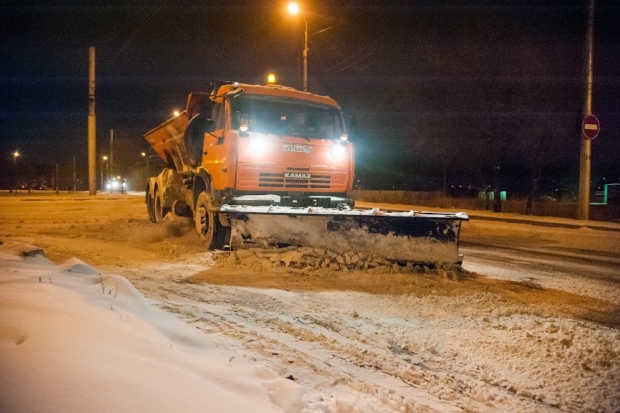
(470, 86)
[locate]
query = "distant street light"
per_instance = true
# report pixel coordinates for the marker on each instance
(15, 155)
(294, 9)
(176, 113)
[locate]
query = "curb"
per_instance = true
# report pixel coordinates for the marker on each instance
(543, 223)
(540, 221)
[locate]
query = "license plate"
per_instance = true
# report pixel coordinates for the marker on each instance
(298, 148)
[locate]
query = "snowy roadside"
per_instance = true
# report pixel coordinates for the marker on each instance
(75, 340)
(71, 346)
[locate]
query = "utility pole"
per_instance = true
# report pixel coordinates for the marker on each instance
(92, 140)
(585, 152)
(101, 172)
(111, 155)
(112, 150)
(75, 177)
(57, 180)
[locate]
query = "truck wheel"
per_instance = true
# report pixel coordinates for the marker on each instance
(150, 207)
(208, 224)
(160, 211)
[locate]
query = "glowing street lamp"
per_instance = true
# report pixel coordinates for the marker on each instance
(294, 9)
(15, 155)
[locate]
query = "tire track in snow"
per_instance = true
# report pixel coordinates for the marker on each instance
(270, 331)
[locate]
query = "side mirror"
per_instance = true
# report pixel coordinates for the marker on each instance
(351, 125)
(209, 126)
(194, 136)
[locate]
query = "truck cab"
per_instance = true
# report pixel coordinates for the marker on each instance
(251, 144)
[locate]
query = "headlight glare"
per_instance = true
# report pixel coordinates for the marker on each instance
(338, 151)
(258, 145)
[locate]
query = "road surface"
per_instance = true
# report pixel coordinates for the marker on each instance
(530, 325)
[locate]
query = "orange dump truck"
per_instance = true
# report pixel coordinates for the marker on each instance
(270, 166)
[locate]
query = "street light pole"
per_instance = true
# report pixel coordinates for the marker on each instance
(306, 56)
(583, 210)
(146, 156)
(293, 8)
(15, 155)
(103, 158)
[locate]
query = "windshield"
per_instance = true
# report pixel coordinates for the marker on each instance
(281, 116)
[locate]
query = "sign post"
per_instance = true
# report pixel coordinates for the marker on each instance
(583, 209)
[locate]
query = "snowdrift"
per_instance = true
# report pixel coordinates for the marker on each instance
(75, 340)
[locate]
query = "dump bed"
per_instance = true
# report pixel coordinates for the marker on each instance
(168, 142)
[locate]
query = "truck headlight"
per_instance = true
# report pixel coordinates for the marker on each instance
(337, 151)
(258, 145)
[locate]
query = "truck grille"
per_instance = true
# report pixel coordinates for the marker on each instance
(277, 180)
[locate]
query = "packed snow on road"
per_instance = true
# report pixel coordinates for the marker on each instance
(102, 311)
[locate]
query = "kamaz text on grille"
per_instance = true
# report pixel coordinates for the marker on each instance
(297, 175)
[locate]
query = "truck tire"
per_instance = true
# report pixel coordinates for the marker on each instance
(208, 224)
(160, 210)
(150, 207)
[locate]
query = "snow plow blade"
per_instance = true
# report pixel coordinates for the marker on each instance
(419, 237)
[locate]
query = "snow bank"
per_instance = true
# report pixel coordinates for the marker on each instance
(75, 340)
(319, 261)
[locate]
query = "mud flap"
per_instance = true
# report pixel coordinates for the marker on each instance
(418, 237)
